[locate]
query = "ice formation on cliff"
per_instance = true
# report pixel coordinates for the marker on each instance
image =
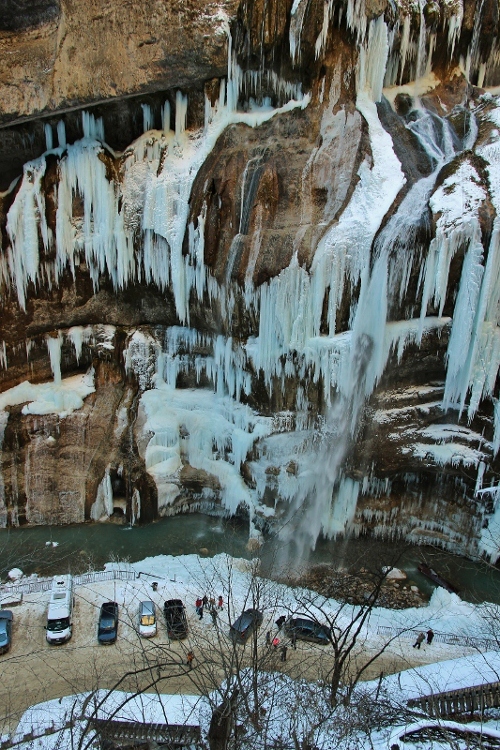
(357, 255)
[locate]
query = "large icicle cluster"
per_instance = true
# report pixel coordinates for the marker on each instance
(136, 229)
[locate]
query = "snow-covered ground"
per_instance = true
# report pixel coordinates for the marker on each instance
(188, 577)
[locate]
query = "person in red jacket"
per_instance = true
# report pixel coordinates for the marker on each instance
(199, 608)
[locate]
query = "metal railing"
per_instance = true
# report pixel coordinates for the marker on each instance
(45, 584)
(481, 644)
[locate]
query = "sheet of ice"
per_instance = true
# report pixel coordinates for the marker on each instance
(453, 454)
(209, 432)
(50, 398)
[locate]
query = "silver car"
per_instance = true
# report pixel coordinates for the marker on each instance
(147, 619)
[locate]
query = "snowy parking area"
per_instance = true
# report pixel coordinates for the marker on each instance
(33, 671)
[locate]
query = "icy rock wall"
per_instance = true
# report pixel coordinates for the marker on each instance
(301, 276)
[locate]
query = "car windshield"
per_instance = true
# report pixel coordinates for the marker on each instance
(55, 626)
(107, 623)
(147, 620)
(3, 635)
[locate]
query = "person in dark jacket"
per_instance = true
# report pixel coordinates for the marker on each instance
(430, 636)
(419, 641)
(283, 651)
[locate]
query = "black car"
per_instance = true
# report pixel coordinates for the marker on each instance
(108, 623)
(5, 630)
(307, 629)
(245, 624)
(175, 617)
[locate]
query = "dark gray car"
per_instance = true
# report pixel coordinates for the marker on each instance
(307, 629)
(107, 629)
(245, 624)
(5, 630)
(175, 617)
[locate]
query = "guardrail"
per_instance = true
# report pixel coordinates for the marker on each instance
(45, 584)
(464, 701)
(482, 644)
(178, 735)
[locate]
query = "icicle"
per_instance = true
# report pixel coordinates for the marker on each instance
(77, 335)
(165, 116)
(54, 348)
(49, 143)
(181, 103)
(373, 60)
(297, 15)
(147, 118)
(24, 219)
(61, 134)
(3, 356)
(103, 505)
(92, 128)
(454, 29)
(496, 423)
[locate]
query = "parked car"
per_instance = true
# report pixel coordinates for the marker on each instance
(107, 629)
(147, 619)
(245, 624)
(5, 630)
(307, 629)
(175, 617)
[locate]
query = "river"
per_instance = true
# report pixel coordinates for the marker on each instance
(77, 548)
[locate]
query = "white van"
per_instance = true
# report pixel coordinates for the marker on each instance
(60, 611)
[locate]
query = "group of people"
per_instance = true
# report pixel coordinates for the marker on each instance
(274, 642)
(213, 608)
(421, 638)
(201, 603)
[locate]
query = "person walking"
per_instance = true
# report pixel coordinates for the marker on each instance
(190, 659)
(419, 641)
(268, 638)
(293, 640)
(283, 653)
(205, 600)
(430, 636)
(199, 608)
(213, 615)
(220, 602)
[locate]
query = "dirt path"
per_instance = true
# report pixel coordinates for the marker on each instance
(33, 671)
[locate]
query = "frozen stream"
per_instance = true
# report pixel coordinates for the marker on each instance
(83, 546)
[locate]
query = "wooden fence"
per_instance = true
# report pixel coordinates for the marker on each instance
(115, 733)
(462, 702)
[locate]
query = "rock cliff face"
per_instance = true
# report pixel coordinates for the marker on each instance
(251, 265)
